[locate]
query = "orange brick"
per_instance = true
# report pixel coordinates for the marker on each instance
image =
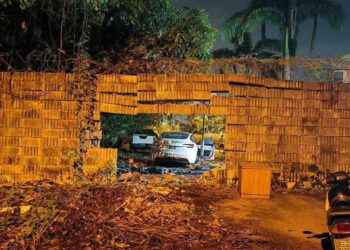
(31, 142)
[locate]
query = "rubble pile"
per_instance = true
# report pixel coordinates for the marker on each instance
(299, 181)
(142, 163)
(152, 212)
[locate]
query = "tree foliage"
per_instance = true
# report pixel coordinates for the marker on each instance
(329, 11)
(187, 35)
(214, 124)
(287, 15)
(106, 29)
(116, 127)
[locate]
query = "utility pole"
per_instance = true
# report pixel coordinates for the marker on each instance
(202, 142)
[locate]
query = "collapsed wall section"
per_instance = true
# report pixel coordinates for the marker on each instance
(287, 124)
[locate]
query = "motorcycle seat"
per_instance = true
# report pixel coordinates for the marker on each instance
(336, 212)
(339, 195)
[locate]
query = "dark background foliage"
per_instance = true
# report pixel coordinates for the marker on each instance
(106, 30)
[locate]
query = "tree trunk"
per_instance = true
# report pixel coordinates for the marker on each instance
(286, 54)
(289, 32)
(313, 36)
(263, 31)
(63, 17)
(293, 18)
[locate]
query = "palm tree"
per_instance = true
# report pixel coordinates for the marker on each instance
(328, 10)
(282, 13)
(286, 14)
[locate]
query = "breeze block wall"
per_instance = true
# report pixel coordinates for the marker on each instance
(39, 129)
(288, 124)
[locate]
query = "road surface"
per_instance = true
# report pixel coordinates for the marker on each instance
(292, 220)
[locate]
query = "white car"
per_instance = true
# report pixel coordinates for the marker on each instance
(143, 139)
(209, 148)
(177, 147)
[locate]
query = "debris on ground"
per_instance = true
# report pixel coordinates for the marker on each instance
(301, 181)
(290, 185)
(141, 162)
(144, 212)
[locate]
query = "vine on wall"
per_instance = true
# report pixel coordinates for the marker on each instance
(303, 69)
(83, 88)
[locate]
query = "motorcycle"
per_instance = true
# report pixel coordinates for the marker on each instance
(338, 210)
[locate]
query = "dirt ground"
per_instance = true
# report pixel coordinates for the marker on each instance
(292, 220)
(155, 212)
(148, 212)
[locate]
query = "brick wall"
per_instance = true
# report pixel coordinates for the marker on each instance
(39, 129)
(286, 124)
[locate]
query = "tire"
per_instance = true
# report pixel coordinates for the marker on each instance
(331, 238)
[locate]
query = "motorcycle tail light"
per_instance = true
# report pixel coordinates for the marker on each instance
(189, 145)
(341, 228)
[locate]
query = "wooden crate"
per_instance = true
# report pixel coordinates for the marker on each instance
(254, 180)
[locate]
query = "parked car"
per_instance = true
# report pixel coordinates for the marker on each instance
(143, 139)
(209, 148)
(177, 147)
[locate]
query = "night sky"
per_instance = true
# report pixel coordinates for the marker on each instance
(329, 42)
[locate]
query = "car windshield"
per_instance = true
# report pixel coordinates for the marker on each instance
(175, 135)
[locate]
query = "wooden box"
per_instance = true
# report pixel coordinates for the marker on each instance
(254, 180)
